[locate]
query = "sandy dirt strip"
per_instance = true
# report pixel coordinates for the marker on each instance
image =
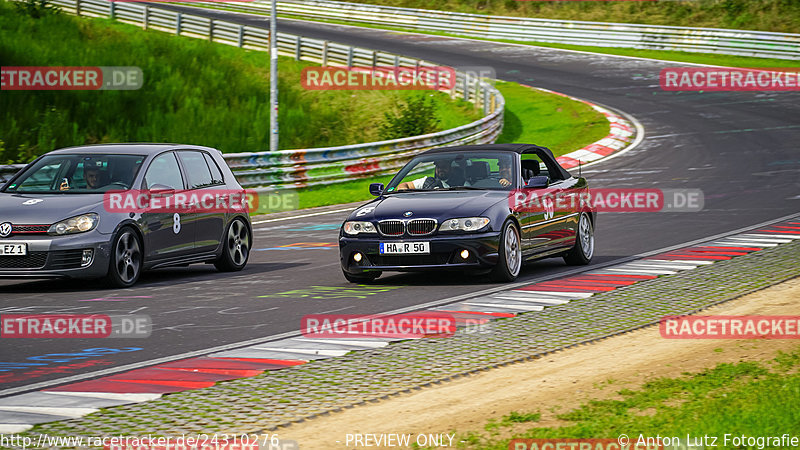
(553, 384)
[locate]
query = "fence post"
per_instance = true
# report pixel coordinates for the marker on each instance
(241, 36)
(374, 59)
(477, 92)
(350, 57)
(210, 29)
(178, 23)
(111, 12)
(466, 86)
(324, 53)
(298, 44)
(396, 61)
(145, 16)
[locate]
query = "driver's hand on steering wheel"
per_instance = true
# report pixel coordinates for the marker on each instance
(505, 182)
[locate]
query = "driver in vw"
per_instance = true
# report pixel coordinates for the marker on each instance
(442, 171)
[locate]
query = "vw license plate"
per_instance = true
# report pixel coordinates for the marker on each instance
(13, 249)
(405, 248)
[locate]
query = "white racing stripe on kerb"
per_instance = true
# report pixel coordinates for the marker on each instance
(365, 344)
(507, 306)
(50, 410)
(760, 239)
(662, 266)
(643, 271)
(305, 351)
(133, 398)
(547, 301)
(561, 294)
(748, 243)
(14, 428)
(790, 237)
(694, 262)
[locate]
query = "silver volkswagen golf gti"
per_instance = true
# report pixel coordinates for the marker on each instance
(58, 217)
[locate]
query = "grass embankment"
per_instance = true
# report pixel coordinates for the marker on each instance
(766, 15)
(194, 92)
(746, 398)
(531, 116)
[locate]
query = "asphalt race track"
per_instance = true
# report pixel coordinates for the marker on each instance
(739, 148)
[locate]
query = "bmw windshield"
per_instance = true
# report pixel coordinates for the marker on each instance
(458, 170)
(78, 174)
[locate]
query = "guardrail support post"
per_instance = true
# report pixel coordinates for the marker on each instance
(374, 59)
(478, 97)
(298, 45)
(77, 7)
(210, 29)
(178, 23)
(145, 16)
(350, 57)
(324, 53)
(466, 86)
(111, 6)
(241, 36)
(396, 61)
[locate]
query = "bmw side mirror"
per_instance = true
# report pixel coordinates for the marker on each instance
(376, 189)
(537, 182)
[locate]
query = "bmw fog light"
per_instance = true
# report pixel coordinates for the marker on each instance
(358, 257)
(87, 258)
(465, 254)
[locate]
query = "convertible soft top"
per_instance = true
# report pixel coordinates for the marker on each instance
(542, 152)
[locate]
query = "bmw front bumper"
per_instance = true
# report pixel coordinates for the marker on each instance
(445, 253)
(57, 256)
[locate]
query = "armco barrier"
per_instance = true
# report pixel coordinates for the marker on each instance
(318, 166)
(705, 40)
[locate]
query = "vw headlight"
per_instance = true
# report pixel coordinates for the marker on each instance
(77, 224)
(354, 228)
(464, 224)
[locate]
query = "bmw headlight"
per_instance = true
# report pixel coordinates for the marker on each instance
(77, 224)
(353, 228)
(464, 224)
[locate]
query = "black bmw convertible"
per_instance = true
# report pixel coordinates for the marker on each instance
(481, 208)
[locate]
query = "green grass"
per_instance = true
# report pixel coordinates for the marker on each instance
(767, 15)
(531, 117)
(194, 92)
(750, 398)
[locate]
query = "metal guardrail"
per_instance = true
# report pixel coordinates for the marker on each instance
(705, 40)
(318, 166)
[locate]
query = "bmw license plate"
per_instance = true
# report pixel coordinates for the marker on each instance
(405, 248)
(13, 249)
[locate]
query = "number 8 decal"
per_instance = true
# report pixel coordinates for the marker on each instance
(176, 223)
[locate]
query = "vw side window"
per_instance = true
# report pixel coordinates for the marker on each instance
(164, 170)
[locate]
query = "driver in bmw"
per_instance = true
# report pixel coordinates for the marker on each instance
(442, 171)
